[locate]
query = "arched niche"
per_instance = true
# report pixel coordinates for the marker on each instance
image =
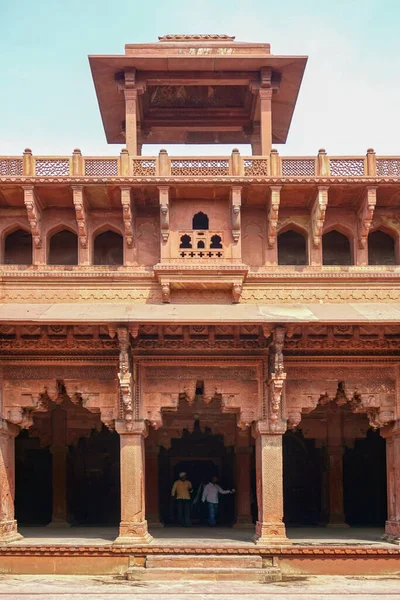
(381, 248)
(200, 221)
(336, 249)
(108, 249)
(292, 248)
(63, 248)
(18, 248)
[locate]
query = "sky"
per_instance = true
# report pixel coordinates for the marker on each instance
(349, 100)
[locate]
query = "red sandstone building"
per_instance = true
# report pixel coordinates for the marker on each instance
(236, 315)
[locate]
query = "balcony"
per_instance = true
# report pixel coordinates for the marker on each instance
(182, 167)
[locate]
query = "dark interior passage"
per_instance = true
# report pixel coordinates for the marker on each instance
(18, 248)
(292, 248)
(108, 249)
(93, 480)
(381, 249)
(336, 249)
(63, 248)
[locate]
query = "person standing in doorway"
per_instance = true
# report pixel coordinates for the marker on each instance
(181, 490)
(210, 495)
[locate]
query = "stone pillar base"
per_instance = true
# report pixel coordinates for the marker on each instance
(392, 532)
(58, 524)
(270, 534)
(133, 533)
(9, 532)
(243, 523)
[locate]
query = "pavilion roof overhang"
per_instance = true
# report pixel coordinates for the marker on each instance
(329, 313)
(161, 63)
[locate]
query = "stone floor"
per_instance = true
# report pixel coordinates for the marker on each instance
(105, 588)
(198, 535)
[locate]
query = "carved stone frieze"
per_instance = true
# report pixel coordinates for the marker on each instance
(371, 391)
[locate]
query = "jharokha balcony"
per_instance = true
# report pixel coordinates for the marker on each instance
(211, 226)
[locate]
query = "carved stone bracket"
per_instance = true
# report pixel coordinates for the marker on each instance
(365, 216)
(127, 215)
(125, 378)
(273, 213)
(81, 214)
(34, 210)
(236, 202)
(276, 380)
(318, 214)
(164, 211)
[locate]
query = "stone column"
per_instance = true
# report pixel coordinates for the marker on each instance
(152, 491)
(8, 525)
(336, 517)
(243, 484)
(131, 121)
(266, 120)
(133, 526)
(59, 451)
(392, 526)
(270, 528)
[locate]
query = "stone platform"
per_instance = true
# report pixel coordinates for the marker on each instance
(200, 553)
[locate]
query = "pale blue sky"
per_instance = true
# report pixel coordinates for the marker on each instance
(349, 101)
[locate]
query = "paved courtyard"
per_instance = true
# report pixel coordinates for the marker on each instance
(107, 588)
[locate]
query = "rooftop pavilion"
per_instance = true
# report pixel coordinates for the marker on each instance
(197, 89)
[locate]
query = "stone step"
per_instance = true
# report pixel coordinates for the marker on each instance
(204, 574)
(205, 561)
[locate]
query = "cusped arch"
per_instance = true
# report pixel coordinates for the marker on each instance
(292, 242)
(200, 221)
(17, 244)
(62, 246)
(108, 247)
(337, 246)
(383, 243)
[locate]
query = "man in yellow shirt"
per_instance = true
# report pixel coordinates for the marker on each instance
(181, 491)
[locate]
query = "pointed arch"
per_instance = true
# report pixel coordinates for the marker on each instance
(62, 247)
(17, 248)
(336, 247)
(108, 248)
(382, 247)
(292, 246)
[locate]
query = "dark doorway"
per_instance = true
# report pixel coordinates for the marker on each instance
(292, 248)
(18, 248)
(381, 250)
(335, 249)
(200, 221)
(201, 455)
(63, 248)
(302, 471)
(364, 478)
(108, 249)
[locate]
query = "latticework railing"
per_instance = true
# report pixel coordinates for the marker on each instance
(144, 167)
(298, 167)
(48, 167)
(255, 167)
(101, 167)
(388, 167)
(235, 165)
(11, 166)
(345, 167)
(193, 167)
